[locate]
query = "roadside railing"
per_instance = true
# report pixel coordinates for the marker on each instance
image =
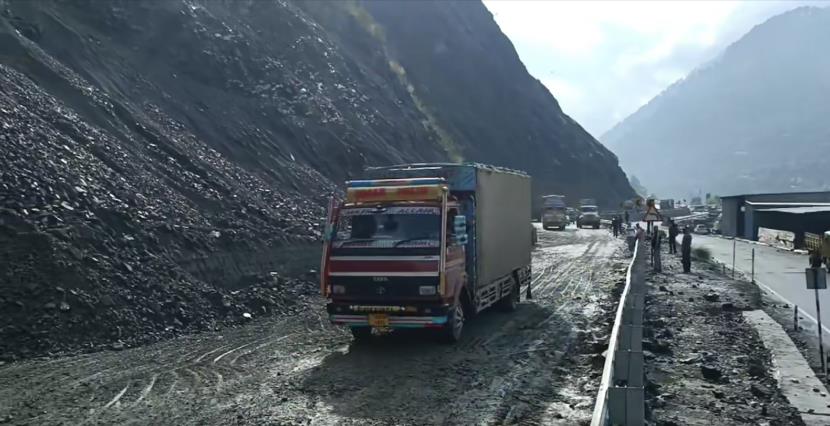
(621, 397)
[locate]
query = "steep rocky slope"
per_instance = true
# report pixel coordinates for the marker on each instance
(159, 159)
(753, 120)
(458, 61)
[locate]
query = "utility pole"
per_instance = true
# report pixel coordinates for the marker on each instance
(817, 280)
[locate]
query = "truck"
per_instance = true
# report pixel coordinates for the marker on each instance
(554, 212)
(588, 214)
(426, 246)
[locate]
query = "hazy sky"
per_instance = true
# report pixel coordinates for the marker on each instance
(604, 59)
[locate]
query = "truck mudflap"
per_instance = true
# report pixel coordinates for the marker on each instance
(353, 315)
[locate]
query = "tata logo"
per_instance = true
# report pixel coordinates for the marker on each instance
(380, 279)
(381, 290)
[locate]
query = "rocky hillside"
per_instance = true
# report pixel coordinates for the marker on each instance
(466, 71)
(753, 120)
(163, 165)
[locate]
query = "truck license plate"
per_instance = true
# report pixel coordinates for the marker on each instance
(379, 320)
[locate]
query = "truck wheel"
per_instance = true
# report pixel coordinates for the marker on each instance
(511, 301)
(451, 332)
(361, 334)
(596, 226)
(562, 228)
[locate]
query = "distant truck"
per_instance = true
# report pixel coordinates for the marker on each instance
(588, 214)
(426, 246)
(554, 212)
(573, 214)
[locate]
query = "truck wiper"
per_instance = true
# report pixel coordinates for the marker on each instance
(359, 240)
(410, 239)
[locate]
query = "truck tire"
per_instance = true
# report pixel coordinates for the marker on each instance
(361, 334)
(562, 228)
(511, 301)
(451, 333)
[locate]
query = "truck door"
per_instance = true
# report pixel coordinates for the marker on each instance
(328, 231)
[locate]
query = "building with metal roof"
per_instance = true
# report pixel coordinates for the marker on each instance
(796, 212)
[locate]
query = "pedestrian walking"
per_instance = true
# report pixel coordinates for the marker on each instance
(626, 218)
(640, 233)
(615, 227)
(630, 238)
(673, 231)
(686, 250)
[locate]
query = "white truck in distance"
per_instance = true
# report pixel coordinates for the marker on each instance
(588, 213)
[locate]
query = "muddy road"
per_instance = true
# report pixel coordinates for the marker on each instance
(534, 366)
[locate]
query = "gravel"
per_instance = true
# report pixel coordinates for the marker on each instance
(718, 371)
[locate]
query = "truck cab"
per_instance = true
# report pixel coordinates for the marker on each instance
(407, 250)
(588, 216)
(554, 212)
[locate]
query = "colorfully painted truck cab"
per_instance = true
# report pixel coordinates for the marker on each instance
(416, 246)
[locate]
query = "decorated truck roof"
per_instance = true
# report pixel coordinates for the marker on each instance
(458, 176)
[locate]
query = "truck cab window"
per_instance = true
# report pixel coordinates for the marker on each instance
(451, 213)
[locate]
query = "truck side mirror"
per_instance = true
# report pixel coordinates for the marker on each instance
(328, 232)
(460, 229)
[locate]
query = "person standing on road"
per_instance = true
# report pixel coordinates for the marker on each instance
(614, 227)
(640, 233)
(627, 222)
(673, 231)
(686, 250)
(815, 259)
(656, 238)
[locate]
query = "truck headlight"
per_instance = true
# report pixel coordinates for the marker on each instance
(427, 290)
(338, 289)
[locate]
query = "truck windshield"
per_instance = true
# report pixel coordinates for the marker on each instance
(389, 227)
(589, 209)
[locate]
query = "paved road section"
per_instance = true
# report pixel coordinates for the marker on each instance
(532, 366)
(795, 377)
(778, 271)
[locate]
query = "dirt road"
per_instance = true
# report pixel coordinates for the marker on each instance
(532, 366)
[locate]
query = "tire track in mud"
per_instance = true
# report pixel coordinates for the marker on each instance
(529, 401)
(294, 369)
(123, 386)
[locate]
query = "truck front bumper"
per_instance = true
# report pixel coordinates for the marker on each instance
(394, 316)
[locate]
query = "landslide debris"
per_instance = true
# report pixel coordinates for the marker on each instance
(159, 160)
(704, 363)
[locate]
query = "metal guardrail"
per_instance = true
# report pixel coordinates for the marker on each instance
(691, 218)
(621, 396)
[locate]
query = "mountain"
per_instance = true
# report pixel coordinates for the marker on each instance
(159, 158)
(753, 120)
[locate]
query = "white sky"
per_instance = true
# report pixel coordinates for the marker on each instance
(602, 60)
